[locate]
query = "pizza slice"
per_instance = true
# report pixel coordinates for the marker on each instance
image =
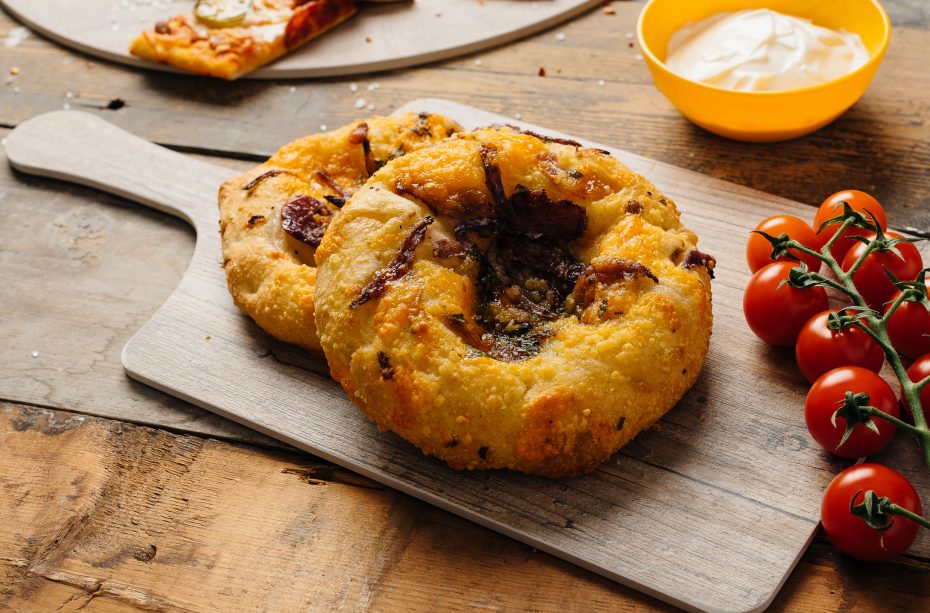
(230, 38)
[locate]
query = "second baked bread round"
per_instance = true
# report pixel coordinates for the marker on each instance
(504, 300)
(273, 217)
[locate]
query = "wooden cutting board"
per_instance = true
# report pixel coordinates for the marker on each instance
(402, 34)
(710, 510)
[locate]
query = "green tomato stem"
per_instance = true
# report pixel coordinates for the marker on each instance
(891, 418)
(829, 283)
(799, 247)
(892, 308)
(914, 517)
(920, 385)
(836, 236)
(875, 325)
(869, 248)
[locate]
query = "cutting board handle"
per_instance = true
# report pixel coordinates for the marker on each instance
(85, 149)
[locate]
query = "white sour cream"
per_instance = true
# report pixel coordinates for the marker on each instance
(763, 50)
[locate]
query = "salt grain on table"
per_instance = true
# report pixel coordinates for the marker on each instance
(16, 36)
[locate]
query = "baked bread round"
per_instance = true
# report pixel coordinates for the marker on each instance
(273, 217)
(506, 300)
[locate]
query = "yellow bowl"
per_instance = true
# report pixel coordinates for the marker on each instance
(763, 116)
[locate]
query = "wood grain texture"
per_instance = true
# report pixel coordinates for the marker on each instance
(378, 37)
(101, 516)
(660, 501)
(882, 144)
(82, 271)
(881, 141)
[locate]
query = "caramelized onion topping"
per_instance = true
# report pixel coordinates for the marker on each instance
(618, 269)
(696, 258)
(492, 174)
(306, 219)
(327, 180)
(359, 136)
(399, 265)
(421, 127)
(448, 249)
(533, 214)
(525, 281)
(527, 273)
(544, 138)
(512, 347)
(526, 269)
(263, 177)
(384, 363)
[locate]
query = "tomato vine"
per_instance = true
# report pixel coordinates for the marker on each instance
(869, 320)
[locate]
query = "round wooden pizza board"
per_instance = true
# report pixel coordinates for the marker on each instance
(379, 37)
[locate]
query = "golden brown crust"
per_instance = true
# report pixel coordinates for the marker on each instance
(271, 273)
(315, 17)
(274, 28)
(629, 341)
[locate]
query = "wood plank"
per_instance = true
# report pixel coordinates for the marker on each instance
(103, 516)
(158, 521)
(882, 145)
(379, 37)
(914, 13)
(109, 265)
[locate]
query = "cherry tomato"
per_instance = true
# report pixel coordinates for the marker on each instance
(849, 533)
(870, 279)
(820, 349)
(827, 395)
(833, 206)
(759, 250)
(909, 327)
(919, 371)
(777, 314)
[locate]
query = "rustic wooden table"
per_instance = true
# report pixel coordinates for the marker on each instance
(117, 496)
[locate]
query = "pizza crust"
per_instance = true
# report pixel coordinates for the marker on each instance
(273, 29)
